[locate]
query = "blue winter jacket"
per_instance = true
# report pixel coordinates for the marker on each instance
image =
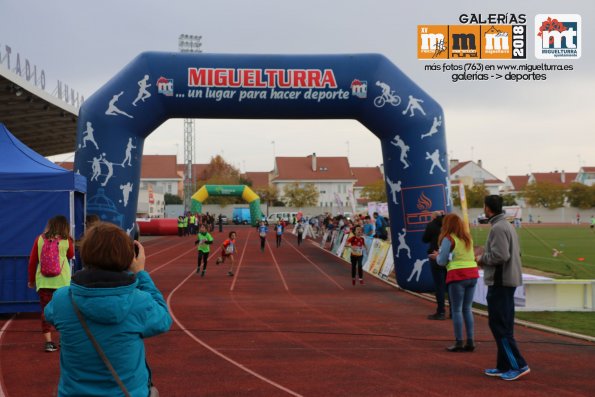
(121, 309)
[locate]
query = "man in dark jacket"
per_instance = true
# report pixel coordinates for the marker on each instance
(430, 237)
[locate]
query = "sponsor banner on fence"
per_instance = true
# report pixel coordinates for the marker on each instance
(341, 245)
(377, 256)
(388, 269)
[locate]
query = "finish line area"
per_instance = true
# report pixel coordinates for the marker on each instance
(290, 323)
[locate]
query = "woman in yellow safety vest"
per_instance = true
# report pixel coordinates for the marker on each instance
(456, 253)
(49, 267)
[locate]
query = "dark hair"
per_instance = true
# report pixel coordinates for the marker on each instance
(230, 233)
(91, 219)
(494, 203)
(107, 247)
(58, 226)
(375, 214)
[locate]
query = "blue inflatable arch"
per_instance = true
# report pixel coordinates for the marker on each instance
(154, 87)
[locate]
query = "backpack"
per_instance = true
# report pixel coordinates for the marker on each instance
(50, 258)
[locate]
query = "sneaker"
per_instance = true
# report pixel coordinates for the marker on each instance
(493, 372)
(50, 347)
(197, 270)
(514, 374)
(202, 274)
(230, 273)
(437, 316)
(361, 281)
(218, 261)
(353, 282)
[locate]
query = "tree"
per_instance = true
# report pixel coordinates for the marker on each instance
(298, 196)
(268, 195)
(475, 195)
(508, 199)
(172, 199)
(219, 172)
(544, 194)
(218, 168)
(375, 191)
(581, 196)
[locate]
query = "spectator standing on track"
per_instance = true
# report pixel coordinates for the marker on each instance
(203, 241)
(456, 253)
(262, 233)
(228, 249)
(369, 230)
(279, 228)
(220, 222)
(381, 225)
(430, 237)
(121, 306)
(180, 226)
(299, 231)
(358, 245)
(501, 261)
(49, 268)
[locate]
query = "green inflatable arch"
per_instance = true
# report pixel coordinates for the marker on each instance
(242, 191)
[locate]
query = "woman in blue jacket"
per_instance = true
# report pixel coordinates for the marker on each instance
(121, 306)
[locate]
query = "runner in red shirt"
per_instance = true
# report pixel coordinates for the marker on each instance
(227, 251)
(358, 245)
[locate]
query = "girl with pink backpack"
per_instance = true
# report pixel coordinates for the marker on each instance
(49, 267)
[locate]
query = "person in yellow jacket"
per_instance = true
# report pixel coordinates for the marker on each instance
(456, 253)
(46, 278)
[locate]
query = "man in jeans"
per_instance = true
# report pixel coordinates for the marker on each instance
(501, 261)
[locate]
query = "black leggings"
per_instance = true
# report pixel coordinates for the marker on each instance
(299, 238)
(278, 240)
(356, 261)
(203, 256)
(262, 241)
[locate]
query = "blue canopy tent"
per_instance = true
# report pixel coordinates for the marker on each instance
(32, 190)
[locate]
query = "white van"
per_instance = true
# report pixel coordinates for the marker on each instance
(287, 216)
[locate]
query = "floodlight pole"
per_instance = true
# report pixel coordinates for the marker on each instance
(189, 43)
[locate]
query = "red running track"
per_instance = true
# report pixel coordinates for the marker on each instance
(289, 323)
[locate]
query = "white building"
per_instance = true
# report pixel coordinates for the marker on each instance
(586, 176)
(470, 173)
(151, 203)
(331, 176)
(161, 172)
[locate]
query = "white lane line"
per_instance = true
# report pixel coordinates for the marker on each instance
(235, 277)
(3, 392)
(318, 268)
(165, 249)
(215, 351)
(278, 268)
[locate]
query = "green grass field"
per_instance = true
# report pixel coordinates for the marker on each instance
(577, 243)
(537, 244)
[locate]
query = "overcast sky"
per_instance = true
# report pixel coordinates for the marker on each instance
(514, 128)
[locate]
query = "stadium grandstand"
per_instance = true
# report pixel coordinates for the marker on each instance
(43, 122)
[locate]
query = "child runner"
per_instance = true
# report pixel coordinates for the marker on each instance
(358, 246)
(227, 250)
(204, 241)
(262, 232)
(279, 232)
(300, 231)
(54, 242)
